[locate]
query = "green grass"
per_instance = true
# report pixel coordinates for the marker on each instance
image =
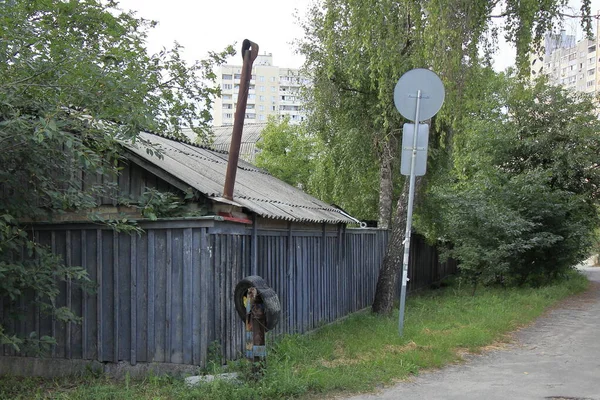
(355, 355)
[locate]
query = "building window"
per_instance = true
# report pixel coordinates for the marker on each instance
(272, 88)
(227, 106)
(251, 116)
(272, 98)
(591, 72)
(590, 83)
(237, 76)
(272, 79)
(251, 96)
(262, 88)
(261, 108)
(272, 108)
(226, 86)
(591, 49)
(227, 77)
(262, 98)
(261, 78)
(227, 116)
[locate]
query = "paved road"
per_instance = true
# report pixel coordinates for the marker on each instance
(558, 357)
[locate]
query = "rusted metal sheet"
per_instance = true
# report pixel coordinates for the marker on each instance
(249, 54)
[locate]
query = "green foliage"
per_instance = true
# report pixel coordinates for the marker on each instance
(155, 204)
(286, 152)
(520, 204)
(75, 79)
(356, 51)
(336, 359)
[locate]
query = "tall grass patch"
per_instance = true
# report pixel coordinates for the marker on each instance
(353, 355)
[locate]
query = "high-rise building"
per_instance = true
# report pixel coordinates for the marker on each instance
(574, 65)
(273, 91)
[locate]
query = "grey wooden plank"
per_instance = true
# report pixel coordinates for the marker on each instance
(91, 298)
(290, 279)
(125, 179)
(142, 300)
(254, 250)
(199, 306)
(76, 297)
(108, 296)
(226, 278)
(169, 296)
(209, 299)
(125, 287)
(133, 301)
(223, 272)
(99, 297)
(160, 304)
(176, 337)
(61, 300)
(150, 347)
(116, 297)
(84, 297)
(53, 331)
(232, 254)
(187, 296)
(69, 350)
(212, 284)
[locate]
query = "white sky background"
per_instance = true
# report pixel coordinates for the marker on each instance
(204, 25)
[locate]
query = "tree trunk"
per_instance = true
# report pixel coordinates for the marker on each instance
(392, 263)
(385, 186)
(388, 274)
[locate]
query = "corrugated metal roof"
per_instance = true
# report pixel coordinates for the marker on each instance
(204, 170)
(250, 133)
(250, 136)
(222, 138)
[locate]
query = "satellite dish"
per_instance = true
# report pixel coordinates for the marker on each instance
(432, 94)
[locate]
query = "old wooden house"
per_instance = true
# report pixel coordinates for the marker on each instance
(165, 296)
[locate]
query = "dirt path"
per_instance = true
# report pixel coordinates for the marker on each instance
(558, 357)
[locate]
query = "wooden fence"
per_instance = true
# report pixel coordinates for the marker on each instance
(166, 295)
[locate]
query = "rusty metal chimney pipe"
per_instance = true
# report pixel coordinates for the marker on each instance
(249, 54)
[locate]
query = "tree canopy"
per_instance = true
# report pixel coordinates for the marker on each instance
(287, 152)
(520, 203)
(75, 78)
(355, 52)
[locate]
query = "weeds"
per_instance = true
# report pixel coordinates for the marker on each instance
(354, 355)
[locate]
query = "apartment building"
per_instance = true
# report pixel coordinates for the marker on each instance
(273, 91)
(574, 65)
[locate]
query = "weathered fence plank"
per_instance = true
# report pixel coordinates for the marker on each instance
(167, 295)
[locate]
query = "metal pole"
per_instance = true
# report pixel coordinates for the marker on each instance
(249, 54)
(409, 212)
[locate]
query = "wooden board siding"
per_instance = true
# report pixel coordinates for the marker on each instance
(167, 295)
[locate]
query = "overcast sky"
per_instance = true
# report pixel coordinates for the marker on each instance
(203, 25)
